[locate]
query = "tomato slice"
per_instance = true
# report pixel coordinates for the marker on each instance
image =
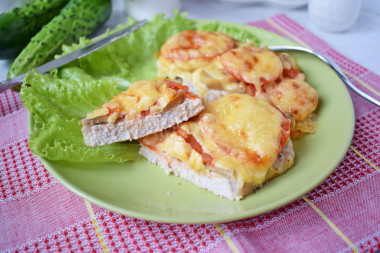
(285, 125)
(145, 112)
(290, 73)
(192, 141)
(176, 86)
(112, 109)
(263, 80)
(250, 89)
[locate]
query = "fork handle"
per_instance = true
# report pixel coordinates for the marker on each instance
(333, 65)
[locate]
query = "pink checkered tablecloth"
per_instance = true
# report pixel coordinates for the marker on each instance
(341, 215)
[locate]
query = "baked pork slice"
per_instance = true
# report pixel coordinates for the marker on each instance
(232, 148)
(147, 107)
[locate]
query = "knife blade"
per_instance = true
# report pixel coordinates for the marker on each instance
(80, 53)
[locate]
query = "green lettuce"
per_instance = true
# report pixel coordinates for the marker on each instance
(59, 100)
(132, 57)
(57, 105)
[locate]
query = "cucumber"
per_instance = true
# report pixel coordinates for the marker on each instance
(78, 18)
(19, 25)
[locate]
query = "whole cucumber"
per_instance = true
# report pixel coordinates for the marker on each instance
(78, 18)
(19, 25)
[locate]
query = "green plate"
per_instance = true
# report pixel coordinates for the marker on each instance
(143, 190)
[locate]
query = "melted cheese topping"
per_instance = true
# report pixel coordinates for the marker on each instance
(184, 69)
(255, 71)
(289, 62)
(186, 53)
(149, 96)
(214, 76)
(177, 147)
(293, 96)
(307, 126)
(204, 75)
(189, 45)
(242, 145)
(252, 65)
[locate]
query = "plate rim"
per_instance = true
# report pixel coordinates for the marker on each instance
(218, 218)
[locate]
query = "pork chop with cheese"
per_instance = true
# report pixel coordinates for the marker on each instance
(233, 147)
(147, 107)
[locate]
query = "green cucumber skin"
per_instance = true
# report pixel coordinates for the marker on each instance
(78, 18)
(19, 25)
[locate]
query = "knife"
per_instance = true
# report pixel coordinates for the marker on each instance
(7, 84)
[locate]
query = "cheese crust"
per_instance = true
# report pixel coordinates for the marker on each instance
(147, 107)
(236, 140)
(237, 135)
(248, 69)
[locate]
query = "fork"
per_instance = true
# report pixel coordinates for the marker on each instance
(332, 64)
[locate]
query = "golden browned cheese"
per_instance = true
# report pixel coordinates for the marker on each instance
(294, 96)
(259, 72)
(171, 69)
(204, 75)
(189, 45)
(252, 65)
(215, 77)
(141, 96)
(289, 62)
(189, 51)
(239, 135)
(307, 126)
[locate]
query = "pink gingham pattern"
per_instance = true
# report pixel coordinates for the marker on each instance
(340, 215)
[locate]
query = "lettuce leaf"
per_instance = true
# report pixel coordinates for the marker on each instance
(58, 100)
(57, 105)
(131, 57)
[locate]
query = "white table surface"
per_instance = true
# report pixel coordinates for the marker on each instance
(361, 43)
